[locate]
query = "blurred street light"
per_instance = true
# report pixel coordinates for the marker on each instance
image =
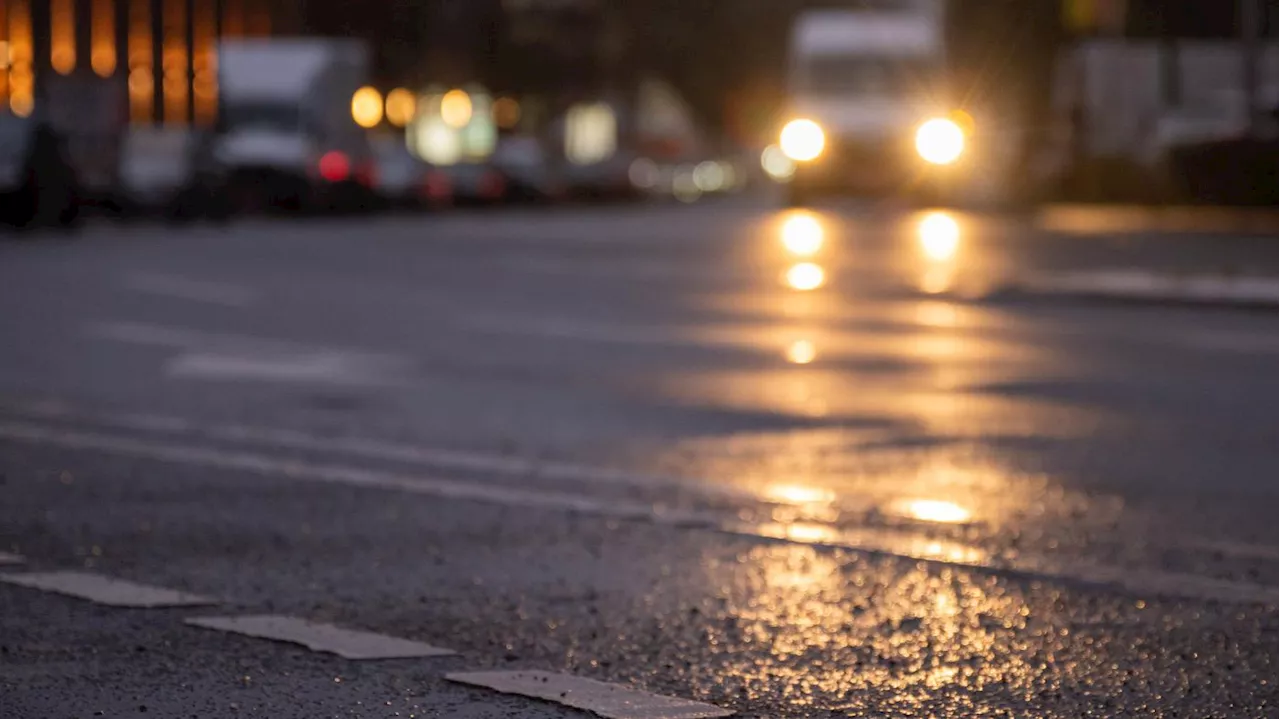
(455, 108)
(401, 106)
(366, 107)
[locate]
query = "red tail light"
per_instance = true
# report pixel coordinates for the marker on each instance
(492, 185)
(437, 186)
(367, 174)
(334, 166)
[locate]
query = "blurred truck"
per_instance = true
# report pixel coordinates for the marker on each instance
(286, 137)
(870, 107)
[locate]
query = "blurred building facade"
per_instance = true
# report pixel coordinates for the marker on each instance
(156, 55)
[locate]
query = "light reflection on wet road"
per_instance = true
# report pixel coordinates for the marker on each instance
(784, 457)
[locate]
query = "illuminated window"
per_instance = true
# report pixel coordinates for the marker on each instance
(141, 73)
(21, 56)
(174, 62)
(62, 41)
(102, 49)
(204, 61)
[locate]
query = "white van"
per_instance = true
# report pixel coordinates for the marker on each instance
(868, 107)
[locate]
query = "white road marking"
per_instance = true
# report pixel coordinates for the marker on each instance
(9, 558)
(223, 356)
(106, 590)
(317, 368)
(183, 288)
(186, 338)
(335, 474)
(346, 643)
(268, 437)
(887, 542)
(612, 701)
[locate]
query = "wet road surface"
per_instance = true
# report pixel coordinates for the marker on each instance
(844, 462)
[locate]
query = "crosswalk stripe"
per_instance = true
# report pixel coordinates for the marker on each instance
(8, 558)
(612, 701)
(106, 590)
(346, 643)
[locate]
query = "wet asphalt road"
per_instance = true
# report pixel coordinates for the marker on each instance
(821, 464)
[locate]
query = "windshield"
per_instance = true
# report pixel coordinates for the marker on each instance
(851, 74)
(261, 116)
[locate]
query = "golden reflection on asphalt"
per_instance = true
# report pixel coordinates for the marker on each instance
(938, 238)
(931, 510)
(805, 276)
(801, 352)
(889, 640)
(802, 234)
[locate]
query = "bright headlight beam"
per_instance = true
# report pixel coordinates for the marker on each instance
(940, 141)
(802, 140)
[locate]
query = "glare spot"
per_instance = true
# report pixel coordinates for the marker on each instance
(801, 352)
(932, 510)
(400, 107)
(805, 276)
(939, 236)
(366, 107)
(776, 164)
(644, 173)
(799, 532)
(455, 108)
(798, 494)
(802, 234)
(708, 176)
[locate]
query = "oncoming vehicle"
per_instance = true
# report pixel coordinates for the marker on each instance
(868, 106)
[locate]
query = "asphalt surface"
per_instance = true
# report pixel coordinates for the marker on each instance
(842, 465)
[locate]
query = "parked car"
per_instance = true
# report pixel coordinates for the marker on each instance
(477, 183)
(530, 174)
(38, 186)
(163, 173)
(404, 181)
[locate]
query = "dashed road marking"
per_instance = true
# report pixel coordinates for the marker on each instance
(106, 590)
(612, 701)
(346, 643)
(9, 558)
(184, 288)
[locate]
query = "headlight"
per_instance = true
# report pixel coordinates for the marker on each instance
(940, 141)
(802, 140)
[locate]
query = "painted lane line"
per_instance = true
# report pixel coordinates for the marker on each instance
(346, 643)
(9, 558)
(185, 338)
(888, 543)
(384, 451)
(106, 590)
(314, 368)
(338, 474)
(612, 701)
(184, 288)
